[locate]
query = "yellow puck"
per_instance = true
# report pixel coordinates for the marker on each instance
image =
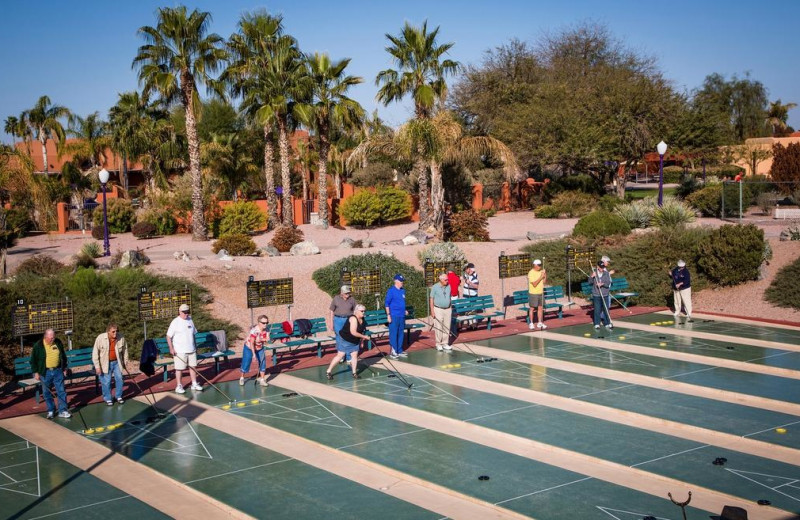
(111, 427)
(89, 431)
(100, 429)
(662, 344)
(658, 323)
(652, 324)
(240, 405)
(254, 401)
(780, 430)
(226, 407)
(120, 425)
(670, 322)
(622, 337)
(457, 365)
(588, 334)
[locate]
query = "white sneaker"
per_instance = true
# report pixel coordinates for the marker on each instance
(65, 414)
(403, 354)
(439, 348)
(263, 381)
(394, 356)
(447, 348)
(241, 381)
(179, 390)
(597, 327)
(609, 326)
(197, 387)
(675, 314)
(531, 326)
(542, 325)
(50, 415)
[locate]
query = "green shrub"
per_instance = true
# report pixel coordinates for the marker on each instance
(98, 232)
(784, 291)
(375, 174)
(144, 230)
(552, 253)
(19, 221)
(574, 203)
(601, 224)
(240, 218)
(285, 237)
(235, 245)
(673, 174)
(362, 209)
(766, 201)
(328, 279)
(162, 220)
(639, 213)
(40, 265)
(791, 232)
(582, 182)
(442, 252)
(469, 226)
(610, 202)
(120, 216)
(687, 187)
(395, 204)
(672, 213)
(708, 200)
(732, 254)
(91, 249)
(547, 211)
(85, 261)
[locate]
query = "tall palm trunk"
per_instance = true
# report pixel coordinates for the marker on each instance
(125, 171)
(269, 174)
(322, 191)
(43, 140)
(283, 144)
(437, 198)
(3, 241)
(420, 171)
(199, 230)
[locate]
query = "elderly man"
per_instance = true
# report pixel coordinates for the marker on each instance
(49, 366)
(537, 277)
(110, 350)
(180, 338)
(682, 290)
(395, 304)
(441, 310)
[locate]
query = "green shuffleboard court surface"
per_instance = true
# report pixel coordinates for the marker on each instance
(751, 383)
(752, 330)
(673, 457)
(517, 483)
(37, 484)
(250, 478)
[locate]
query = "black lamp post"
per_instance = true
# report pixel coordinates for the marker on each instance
(662, 149)
(103, 175)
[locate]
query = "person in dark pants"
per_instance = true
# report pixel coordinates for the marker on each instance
(395, 303)
(352, 334)
(601, 287)
(682, 290)
(342, 306)
(49, 366)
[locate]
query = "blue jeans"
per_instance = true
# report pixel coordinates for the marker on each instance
(600, 309)
(54, 377)
(396, 328)
(338, 323)
(247, 358)
(105, 381)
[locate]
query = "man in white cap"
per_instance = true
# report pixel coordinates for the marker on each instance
(537, 277)
(180, 338)
(441, 310)
(682, 289)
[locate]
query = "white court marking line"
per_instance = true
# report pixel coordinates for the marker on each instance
(607, 510)
(3, 488)
(382, 438)
(9, 477)
(601, 391)
(522, 372)
(79, 507)
(199, 439)
(501, 412)
(772, 428)
(136, 443)
(769, 357)
(543, 490)
(739, 473)
(670, 455)
(38, 473)
(691, 372)
(314, 418)
(3, 446)
(400, 389)
(239, 470)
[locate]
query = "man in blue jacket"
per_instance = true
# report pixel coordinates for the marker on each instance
(682, 289)
(395, 304)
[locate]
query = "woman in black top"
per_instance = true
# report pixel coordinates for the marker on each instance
(351, 334)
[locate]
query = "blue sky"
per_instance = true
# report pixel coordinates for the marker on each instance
(79, 53)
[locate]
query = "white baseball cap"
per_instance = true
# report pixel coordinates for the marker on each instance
(537, 262)
(183, 308)
(681, 263)
(605, 259)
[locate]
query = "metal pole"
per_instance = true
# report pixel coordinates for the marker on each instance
(723, 200)
(660, 179)
(704, 170)
(106, 245)
(740, 200)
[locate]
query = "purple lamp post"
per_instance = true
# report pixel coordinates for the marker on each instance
(662, 149)
(103, 175)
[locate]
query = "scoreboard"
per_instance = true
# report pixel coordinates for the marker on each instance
(511, 266)
(158, 305)
(35, 318)
(434, 269)
(577, 256)
(363, 282)
(266, 293)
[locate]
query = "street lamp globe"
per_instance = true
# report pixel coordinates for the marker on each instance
(661, 148)
(103, 175)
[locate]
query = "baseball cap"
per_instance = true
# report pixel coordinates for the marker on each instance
(400, 277)
(537, 262)
(681, 263)
(605, 259)
(183, 308)
(345, 289)
(470, 266)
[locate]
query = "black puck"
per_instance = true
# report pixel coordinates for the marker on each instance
(649, 517)
(729, 348)
(480, 361)
(483, 477)
(763, 502)
(391, 375)
(662, 337)
(136, 423)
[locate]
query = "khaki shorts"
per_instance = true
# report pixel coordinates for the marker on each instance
(181, 360)
(535, 300)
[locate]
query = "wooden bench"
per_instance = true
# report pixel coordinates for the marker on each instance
(378, 323)
(79, 366)
(551, 303)
(619, 290)
(291, 342)
(784, 213)
(207, 348)
(476, 310)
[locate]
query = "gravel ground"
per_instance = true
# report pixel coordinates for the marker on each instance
(226, 280)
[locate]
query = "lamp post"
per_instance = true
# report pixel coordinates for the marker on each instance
(662, 149)
(103, 175)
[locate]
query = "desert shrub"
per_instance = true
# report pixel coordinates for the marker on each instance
(708, 200)
(574, 203)
(583, 183)
(673, 174)
(394, 203)
(784, 291)
(19, 221)
(791, 233)
(469, 226)
(687, 187)
(639, 213)
(766, 201)
(609, 202)
(235, 245)
(547, 211)
(240, 218)
(82, 260)
(40, 265)
(91, 249)
(732, 254)
(285, 237)
(120, 216)
(98, 232)
(672, 213)
(601, 224)
(162, 220)
(374, 175)
(362, 209)
(328, 279)
(144, 230)
(552, 254)
(442, 252)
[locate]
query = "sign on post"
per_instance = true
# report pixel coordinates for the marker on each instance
(266, 293)
(433, 269)
(162, 305)
(35, 318)
(511, 266)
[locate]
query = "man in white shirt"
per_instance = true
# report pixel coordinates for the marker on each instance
(180, 338)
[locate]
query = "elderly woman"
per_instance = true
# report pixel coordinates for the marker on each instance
(254, 347)
(352, 334)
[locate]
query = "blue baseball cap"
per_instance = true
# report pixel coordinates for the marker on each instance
(400, 277)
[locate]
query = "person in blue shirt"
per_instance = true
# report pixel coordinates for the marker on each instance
(682, 289)
(395, 304)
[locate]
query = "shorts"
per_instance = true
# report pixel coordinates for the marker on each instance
(535, 300)
(182, 358)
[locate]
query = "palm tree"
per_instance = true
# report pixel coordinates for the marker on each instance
(777, 116)
(93, 140)
(304, 159)
(43, 123)
(228, 158)
(330, 110)
(10, 126)
(177, 57)
(421, 74)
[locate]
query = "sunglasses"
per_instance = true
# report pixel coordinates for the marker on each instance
(264, 322)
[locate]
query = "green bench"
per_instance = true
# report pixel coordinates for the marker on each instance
(79, 366)
(551, 303)
(378, 323)
(207, 348)
(475, 309)
(619, 290)
(291, 342)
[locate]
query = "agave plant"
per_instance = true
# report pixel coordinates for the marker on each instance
(673, 213)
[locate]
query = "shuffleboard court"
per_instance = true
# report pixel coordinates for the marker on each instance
(249, 478)
(517, 483)
(751, 330)
(602, 439)
(36, 484)
(751, 383)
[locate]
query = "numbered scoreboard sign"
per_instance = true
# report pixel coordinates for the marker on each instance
(511, 266)
(434, 269)
(162, 305)
(36, 318)
(579, 256)
(363, 282)
(266, 293)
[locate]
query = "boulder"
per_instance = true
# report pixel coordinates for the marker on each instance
(347, 243)
(223, 256)
(366, 242)
(530, 235)
(133, 258)
(181, 255)
(305, 248)
(417, 236)
(385, 252)
(271, 250)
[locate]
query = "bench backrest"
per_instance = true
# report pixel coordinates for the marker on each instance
(22, 366)
(79, 357)
(477, 304)
(378, 316)
(318, 326)
(550, 293)
(617, 284)
(202, 341)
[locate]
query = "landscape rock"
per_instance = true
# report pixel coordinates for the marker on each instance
(417, 236)
(385, 252)
(347, 243)
(530, 235)
(304, 248)
(133, 258)
(790, 233)
(181, 255)
(270, 250)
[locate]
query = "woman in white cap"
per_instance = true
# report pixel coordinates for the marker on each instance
(682, 289)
